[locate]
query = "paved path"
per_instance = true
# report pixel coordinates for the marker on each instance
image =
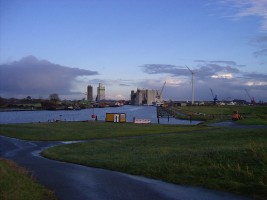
(71, 181)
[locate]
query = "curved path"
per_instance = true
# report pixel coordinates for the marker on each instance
(71, 181)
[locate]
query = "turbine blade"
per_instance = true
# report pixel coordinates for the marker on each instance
(189, 70)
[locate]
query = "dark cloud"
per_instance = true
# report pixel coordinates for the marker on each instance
(218, 62)
(226, 81)
(31, 76)
(210, 70)
(164, 69)
(206, 70)
(256, 76)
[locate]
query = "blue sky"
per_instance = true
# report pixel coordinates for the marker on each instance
(130, 44)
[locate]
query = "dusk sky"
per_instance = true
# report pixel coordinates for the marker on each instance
(61, 46)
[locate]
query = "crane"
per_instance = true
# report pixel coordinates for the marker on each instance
(162, 89)
(214, 96)
(252, 100)
(158, 96)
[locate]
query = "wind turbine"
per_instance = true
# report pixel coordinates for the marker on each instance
(193, 92)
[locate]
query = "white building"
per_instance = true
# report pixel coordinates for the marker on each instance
(100, 92)
(144, 97)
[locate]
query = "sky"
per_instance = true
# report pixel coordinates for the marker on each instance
(61, 46)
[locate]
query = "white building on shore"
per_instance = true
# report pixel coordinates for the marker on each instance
(100, 92)
(144, 97)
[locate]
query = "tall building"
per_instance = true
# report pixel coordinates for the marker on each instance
(100, 92)
(89, 93)
(144, 96)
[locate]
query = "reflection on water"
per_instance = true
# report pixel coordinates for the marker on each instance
(139, 112)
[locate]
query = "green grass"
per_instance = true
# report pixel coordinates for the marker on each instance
(253, 114)
(248, 110)
(16, 184)
(232, 160)
(253, 121)
(87, 130)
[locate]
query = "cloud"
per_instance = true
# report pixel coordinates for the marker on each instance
(260, 39)
(248, 8)
(30, 76)
(162, 68)
(255, 77)
(260, 42)
(205, 70)
(226, 76)
(256, 83)
(262, 52)
(225, 80)
(217, 61)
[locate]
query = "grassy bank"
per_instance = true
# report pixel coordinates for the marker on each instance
(15, 183)
(218, 113)
(87, 130)
(232, 160)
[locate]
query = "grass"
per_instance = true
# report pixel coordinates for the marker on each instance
(258, 110)
(253, 114)
(232, 160)
(16, 184)
(87, 130)
(253, 121)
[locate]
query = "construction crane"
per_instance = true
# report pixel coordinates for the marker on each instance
(214, 97)
(162, 88)
(158, 96)
(252, 100)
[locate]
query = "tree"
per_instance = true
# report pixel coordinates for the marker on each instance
(54, 97)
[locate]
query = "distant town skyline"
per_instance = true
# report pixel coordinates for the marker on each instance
(63, 46)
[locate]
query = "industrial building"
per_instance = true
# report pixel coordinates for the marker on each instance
(89, 93)
(144, 97)
(100, 92)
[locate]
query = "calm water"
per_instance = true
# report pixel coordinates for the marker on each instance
(139, 112)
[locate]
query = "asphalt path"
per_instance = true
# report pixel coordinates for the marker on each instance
(72, 181)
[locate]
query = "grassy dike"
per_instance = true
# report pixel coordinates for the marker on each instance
(15, 183)
(67, 131)
(232, 160)
(256, 114)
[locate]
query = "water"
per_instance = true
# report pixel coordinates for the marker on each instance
(139, 112)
